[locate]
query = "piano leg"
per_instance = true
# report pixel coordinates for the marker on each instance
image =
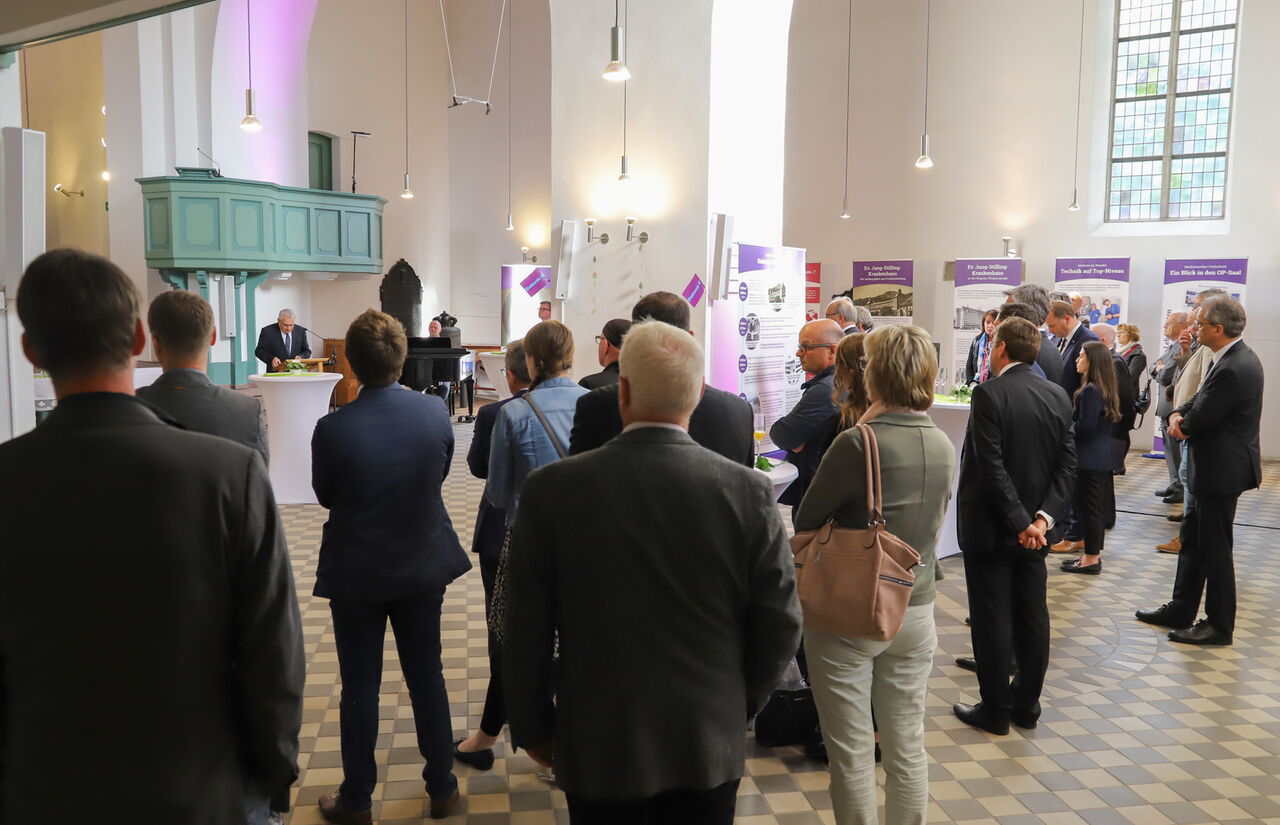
(468, 388)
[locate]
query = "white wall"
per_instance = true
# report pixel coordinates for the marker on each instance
(479, 244)
(356, 73)
(1001, 116)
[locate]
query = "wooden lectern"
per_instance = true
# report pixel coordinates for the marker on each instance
(348, 388)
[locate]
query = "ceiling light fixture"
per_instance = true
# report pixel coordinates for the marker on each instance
(407, 194)
(617, 70)
(511, 24)
(848, 95)
(624, 175)
(1075, 157)
(250, 123)
(924, 161)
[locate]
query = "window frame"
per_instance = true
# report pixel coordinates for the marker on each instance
(1170, 97)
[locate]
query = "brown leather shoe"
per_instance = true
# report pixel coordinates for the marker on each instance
(1066, 546)
(444, 808)
(1173, 546)
(332, 811)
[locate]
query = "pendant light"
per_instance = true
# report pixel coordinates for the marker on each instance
(250, 123)
(616, 70)
(623, 176)
(1075, 175)
(848, 96)
(407, 194)
(511, 24)
(924, 161)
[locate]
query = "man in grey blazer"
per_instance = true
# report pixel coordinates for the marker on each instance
(673, 632)
(1163, 373)
(182, 332)
(148, 619)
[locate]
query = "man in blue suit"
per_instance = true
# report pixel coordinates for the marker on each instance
(1071, 335)
(388, 552)
(282, 341)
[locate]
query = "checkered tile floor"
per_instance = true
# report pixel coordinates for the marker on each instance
(1135, 729)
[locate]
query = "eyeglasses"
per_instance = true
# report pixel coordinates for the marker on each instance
(813, 346)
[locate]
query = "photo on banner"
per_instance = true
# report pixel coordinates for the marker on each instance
(980, 286)
(1183, 279)
(813, 305)
(526, 299)
(1103, 286)
(886, 289)
(769, 299)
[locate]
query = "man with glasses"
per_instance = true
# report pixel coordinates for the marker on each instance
(608, 350)
(841, 311)
(806, 431)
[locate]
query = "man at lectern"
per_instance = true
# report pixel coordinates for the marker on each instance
(282, 341)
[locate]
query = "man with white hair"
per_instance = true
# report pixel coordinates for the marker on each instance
(841, 310)
(282, 341)
(698, 534)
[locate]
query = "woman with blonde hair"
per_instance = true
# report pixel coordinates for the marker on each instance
(1130, 351)
(917, 462)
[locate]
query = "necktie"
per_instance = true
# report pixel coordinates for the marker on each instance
(1062, 345)
(288, 342)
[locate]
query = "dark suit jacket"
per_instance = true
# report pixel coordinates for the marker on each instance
(721, 422)
(673, 631)
(603, 378)
(1019, 457)
(1070, 379)
(378, 465)
(1048, 359)
(810, 425)
(195, 402)
(148, 623)
(491, 522)
(271, 344)
(1221, 424)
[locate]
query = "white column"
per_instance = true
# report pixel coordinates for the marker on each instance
(22, 233)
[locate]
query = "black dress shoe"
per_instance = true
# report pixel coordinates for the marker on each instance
(332, 810)
(1164, 616)
(966, 621)
(1024, 719)
(480, 760)
(1173, 498)
(970, 663)
(978, 717)
(1074, 566)
(444, 808)
(1162, 493)
(1200, 633)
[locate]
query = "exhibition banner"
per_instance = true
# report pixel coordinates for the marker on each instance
(1102, 283)
(526, 299)
(1183, 279)
(770, 309)
(695, 290)
(980, 286)
(813, 291)
(886, 289)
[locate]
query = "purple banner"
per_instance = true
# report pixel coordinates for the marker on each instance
(1180, 270)
(537, 280)
(752, 258)
(507, 273)
(1076, 269)
(898, 273)
(977, 271)
(695, 290)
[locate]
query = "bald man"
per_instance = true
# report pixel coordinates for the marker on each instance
(807, 430)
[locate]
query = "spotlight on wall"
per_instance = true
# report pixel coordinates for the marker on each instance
(106, 174)
(57, 187)
(591, 229)
(526, 257)
(1009, 251)
(631, 232)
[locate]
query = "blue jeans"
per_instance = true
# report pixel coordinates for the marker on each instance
(359, 630)
(1183, 474)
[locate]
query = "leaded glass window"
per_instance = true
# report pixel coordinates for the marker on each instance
(1171, 109)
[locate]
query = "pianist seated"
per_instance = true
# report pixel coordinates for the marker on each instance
(433, 329)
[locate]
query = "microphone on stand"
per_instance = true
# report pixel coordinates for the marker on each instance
(333, 360)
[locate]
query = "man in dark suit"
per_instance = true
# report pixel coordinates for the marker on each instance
(700, 534)
(1016, 474)
(282, 341)
(148, 622)
(1047, 364)
(182, 331)
(1071, 335)
(806, 431)
(609, 347)
(490, 531)
(389, 551)
(1036, 299)
(722, 422)
(1220, 426)
(842, 312)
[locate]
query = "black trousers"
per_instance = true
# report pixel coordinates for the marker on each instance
(1008, 615)
(1206, 565)
(1093, 495)
(681, 806)
(494, 715)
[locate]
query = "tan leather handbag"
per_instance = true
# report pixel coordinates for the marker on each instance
(856, 583)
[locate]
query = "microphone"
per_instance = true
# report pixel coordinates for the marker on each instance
(217, 170)
(333, 359)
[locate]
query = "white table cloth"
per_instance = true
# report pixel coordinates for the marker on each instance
(952, 419)
(294, 404)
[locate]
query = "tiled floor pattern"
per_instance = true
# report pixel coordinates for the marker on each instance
(1136, 730)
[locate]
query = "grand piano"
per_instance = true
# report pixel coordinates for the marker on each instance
(442, 367)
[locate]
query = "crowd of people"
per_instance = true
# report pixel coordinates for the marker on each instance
(631, 667)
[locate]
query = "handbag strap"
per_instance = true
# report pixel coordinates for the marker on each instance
(555, 439)
(875, 501)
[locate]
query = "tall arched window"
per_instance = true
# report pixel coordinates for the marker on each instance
(1171, 109)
